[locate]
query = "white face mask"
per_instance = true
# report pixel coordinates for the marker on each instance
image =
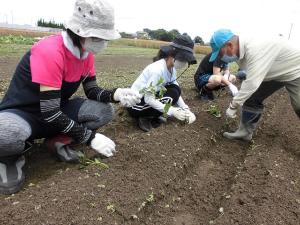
(179, 64)
(94, 45)
(228, 59)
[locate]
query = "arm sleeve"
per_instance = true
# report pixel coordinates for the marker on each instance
(154, 103)
(52, 115)
(259, 62)
(94, 92)
(182, 104)
(149, 97)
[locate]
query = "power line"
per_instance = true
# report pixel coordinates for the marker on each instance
(291, 28)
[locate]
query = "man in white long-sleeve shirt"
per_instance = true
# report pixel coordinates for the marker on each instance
(270, 65)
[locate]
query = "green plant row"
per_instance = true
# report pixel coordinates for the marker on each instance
(13, 39)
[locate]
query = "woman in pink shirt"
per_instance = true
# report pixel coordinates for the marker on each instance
(38, 103)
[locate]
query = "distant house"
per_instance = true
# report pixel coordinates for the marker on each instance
(142, 35)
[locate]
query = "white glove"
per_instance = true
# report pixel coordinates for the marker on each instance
(103, 145)
(129, 101)
(190, 117)
(226, 76)
(230, 77)
(231, 111)
(233, 89)
(127, 97)
(178, 113)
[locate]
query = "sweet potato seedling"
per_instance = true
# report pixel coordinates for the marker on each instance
(85, 161)
(214, 110)
(162, 90)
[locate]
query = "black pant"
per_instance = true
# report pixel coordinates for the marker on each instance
(143, 110)
(267, 88)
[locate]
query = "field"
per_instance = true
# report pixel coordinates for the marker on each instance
(176, 174)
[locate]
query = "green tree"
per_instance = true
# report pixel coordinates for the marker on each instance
(126, 35)
(198, 40)
(173, 33)
(51, 23)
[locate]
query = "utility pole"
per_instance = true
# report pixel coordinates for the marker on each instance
(291, 28)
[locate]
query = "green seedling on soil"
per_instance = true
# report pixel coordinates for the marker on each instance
(148, 200)
(111, 208)
(162, 90)
(85, 161)
(214, 110)
(253, 145)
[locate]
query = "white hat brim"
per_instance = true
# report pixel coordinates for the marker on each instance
(91, 32)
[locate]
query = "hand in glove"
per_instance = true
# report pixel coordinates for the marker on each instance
(190, 117)
(129, 101)
(231, 111)
(233, 89)
(103, 145)
(178, 113)
(230, 77)
(127, 97)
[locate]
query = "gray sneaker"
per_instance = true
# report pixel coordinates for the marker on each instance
(12, 176)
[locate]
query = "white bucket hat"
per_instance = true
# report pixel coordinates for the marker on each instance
(93, 18)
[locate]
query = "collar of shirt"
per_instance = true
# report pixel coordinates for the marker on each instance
(70, 46)
(171, 75)
(241, 47)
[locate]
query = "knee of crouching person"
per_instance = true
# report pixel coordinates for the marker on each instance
(104, 116)
(96, 114)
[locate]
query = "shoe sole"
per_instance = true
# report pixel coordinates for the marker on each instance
(236, 138)
(13, 189)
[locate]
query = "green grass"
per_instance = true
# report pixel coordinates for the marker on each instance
(120, 75)
(8, 49)
(13, 49)
(17, 39)
(125, 76)
(128, 50)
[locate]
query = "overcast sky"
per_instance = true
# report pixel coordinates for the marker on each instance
(196, 17)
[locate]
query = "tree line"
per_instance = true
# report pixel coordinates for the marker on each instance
(51, 23)
(162, 35)
(159, 34)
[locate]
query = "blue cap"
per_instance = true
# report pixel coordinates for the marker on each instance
(218, 40)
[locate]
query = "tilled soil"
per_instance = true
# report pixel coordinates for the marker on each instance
(176, 174)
